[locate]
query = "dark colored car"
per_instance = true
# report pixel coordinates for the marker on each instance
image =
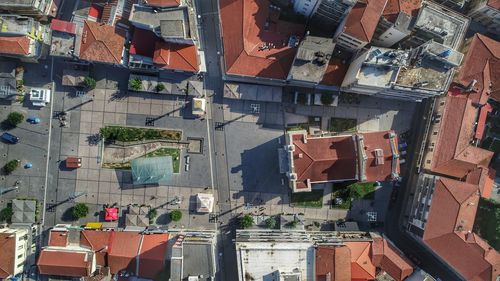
(10, 138)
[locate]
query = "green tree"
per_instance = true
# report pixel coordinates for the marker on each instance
(135, 84)
(89, 83)
(246, 221)
(160, 87)
(270, 222)
(11, 166)
(80, 210)
(15, 118)
(152, 214)
(175, 215)
(326, 99)
(6, 214)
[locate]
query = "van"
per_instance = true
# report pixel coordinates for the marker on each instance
(10, 138)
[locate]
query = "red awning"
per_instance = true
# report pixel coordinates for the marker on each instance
(63, 26)
(111, 214)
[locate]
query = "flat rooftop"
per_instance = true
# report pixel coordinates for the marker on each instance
(63, 44)
(15, 24)
(261, 260)
(198, 260)
(443, 22)
(17, 2)
(312, 58)
(173, 22)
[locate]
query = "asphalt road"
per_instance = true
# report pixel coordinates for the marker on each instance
(211, 42)
(394, 226)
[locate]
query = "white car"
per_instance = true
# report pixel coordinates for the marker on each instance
(40, 96)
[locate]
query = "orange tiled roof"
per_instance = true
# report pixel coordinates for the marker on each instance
(246, 26)
(363, 19)
(152, 255)
(482, 63)
(98, 241)
(58, 238)
(454, 155)
(379, 140)
(64, 263)
(335, 72)
(122, 251)
(494, 4)
(394, 7)
(15, 45)
(8, 246)
(395, 263)
(333, 262)
(176, 56)
(454, 206)
(362, 267)
(102, 43)
(484, 178)
(164, 3)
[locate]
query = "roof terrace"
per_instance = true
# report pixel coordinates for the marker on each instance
(12, 24)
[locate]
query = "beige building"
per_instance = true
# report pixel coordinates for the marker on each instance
(14, 245)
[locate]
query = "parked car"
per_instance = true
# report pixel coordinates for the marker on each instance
(73, 162)
(10, 138)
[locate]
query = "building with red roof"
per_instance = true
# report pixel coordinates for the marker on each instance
(152, 255)
(63, 26)
(14, 251)
(365, 157)
(478, 75)
(365, 259)
(102, 43)
(443, 218)
(70, 263)
(256, 42)
(22, 37)
(487, 12)
(358, 28)
(451, 150)
(164, 3)
(123, 250)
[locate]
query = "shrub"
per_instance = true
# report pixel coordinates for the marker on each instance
(246, 221)
(89, 83)
(15, 118)
(11, 166)
(80, 210)
(6, 214)
(270, 222)
(160, 87)
(175, 215)
(135, 84)
(127, 134)
(152, 214)
(326, 98)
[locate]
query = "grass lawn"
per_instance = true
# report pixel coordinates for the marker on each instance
(350, 191)
(487, 223)
(174, 152)
(340, 125)
(312, 199)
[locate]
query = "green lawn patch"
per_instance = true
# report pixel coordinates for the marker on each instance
(340, 125)
(128, 134)
(174, 152)
(312, 199)
(350, 191)
(487, 223)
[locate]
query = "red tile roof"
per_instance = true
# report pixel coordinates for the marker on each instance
(65, 263)
(484, 178)
(102, 43)
(335, 72)
(333, 262)
(164, 3)
(8, 246)
(379, 140)
(468, 254)
(362, 267)
(481, 122)
(143, 42)
(122, 251)
(95, 11)
(153, 254)
(244, 31)
(324, 159)
(98, 242)
(395, 263)
(453, 208)
(363, 19)
(482, 63)
(63, 26)
(176, 56)
(453, 154)
(15, 45)
(58, 238)
(335, 158)
(494, 4)
(394, 7)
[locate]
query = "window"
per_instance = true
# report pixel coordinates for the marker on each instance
(434, 133)
(441, 103)
(20, 256)
(20, 247)
(20, 265)
(428, 161)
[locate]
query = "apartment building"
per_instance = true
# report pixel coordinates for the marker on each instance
(14, 244)
(34, 8)
(486, 12)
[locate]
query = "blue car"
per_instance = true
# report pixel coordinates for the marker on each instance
(10, 138)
